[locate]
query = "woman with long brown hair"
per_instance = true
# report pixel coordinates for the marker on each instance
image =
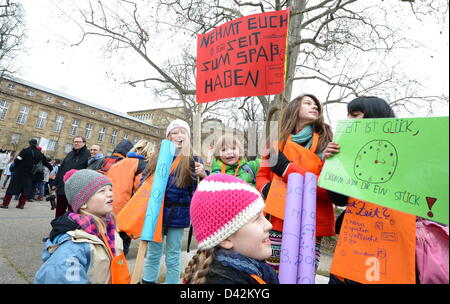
(177, 199)
(303, 137)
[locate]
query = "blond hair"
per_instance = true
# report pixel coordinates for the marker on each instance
(99, 222)
(184, 175)
(198, 267)
(143, 147)
(228, 140)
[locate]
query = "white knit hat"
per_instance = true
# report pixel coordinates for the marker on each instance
(178, 123)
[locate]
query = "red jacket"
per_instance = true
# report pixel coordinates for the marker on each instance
(303, 160)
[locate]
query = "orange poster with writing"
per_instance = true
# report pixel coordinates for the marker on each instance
(376, 245)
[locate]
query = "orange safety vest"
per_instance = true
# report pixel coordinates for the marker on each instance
(276, 198)
(376, 245)
(119, 266)
(224, 168)
(258, 279)
(125, 181)
(131, 218)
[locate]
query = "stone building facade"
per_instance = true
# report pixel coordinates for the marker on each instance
(160, 117)
(28, 110)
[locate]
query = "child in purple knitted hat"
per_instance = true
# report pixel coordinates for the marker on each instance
(82, 243)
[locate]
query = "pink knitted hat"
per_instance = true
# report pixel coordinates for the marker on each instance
(221, 205)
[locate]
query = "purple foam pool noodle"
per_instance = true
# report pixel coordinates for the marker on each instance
(291, 230)
(307, 254)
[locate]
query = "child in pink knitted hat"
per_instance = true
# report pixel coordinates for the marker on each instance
(232, 234)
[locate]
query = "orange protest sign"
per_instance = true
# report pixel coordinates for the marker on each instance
(243, 57)
(376, 245)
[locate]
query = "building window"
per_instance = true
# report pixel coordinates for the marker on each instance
(93, 112)
(15, 138)
(11, 86)
(75, 124)
(79, 108)
(88, 132)
(136, 139)
(23, 115)
(30, 93)
(68, 148)
(4, 105)
(52, 145)
(48, 98)
(40, 123)
(101, 134)
(58, 123)
(105, 115)
(113, 137)
(125, 135)
(64, 103)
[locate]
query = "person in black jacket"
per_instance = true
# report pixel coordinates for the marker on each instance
(76, 159)
(22, 180)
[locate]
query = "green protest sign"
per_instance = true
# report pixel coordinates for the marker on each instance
(400, 163)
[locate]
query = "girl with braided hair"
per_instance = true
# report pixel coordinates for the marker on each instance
(232, 234)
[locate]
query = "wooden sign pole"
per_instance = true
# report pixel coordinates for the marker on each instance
(139, 264)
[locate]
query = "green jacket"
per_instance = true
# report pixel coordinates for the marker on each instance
(247, 171)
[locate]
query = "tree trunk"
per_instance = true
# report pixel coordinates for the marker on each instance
(293, 48)
(293, 51)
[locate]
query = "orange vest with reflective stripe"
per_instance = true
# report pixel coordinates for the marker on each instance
(276, 199)
(258, 279)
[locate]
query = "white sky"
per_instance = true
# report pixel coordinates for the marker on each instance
(82, 71)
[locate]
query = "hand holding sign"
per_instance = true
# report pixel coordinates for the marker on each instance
(331, 149)
(200, 170)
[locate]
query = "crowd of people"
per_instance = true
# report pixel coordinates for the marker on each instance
(239, 240)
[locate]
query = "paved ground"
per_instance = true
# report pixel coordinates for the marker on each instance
(21, 233)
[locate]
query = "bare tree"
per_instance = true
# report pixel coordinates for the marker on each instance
(11, 34)
(329, 42)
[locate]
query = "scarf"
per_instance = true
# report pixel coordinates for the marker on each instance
(305, 136)
(87, 223)
(96, 157)
(245, 264)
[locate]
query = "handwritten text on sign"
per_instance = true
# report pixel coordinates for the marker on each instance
(243, 57)
(376, 245)
(400, 163)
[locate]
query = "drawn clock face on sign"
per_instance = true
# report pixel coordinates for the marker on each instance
(376, 161)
